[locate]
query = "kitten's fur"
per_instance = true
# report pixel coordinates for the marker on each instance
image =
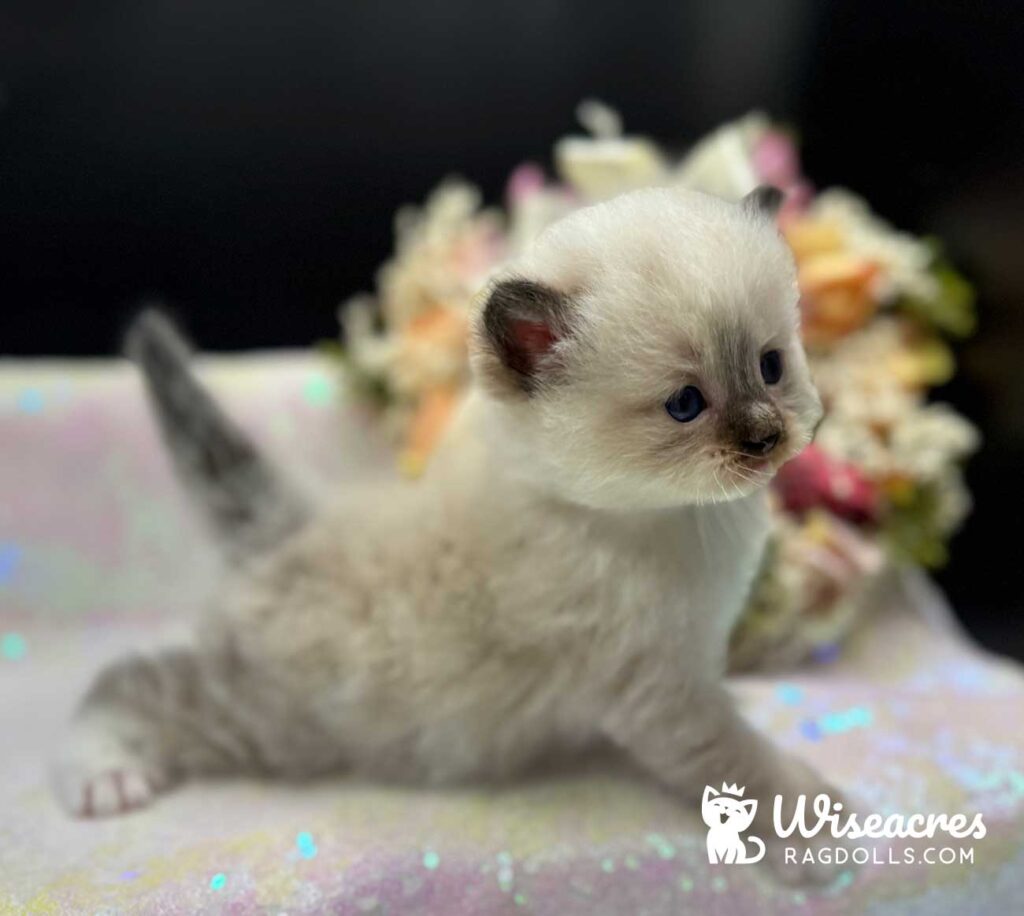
(567, 571)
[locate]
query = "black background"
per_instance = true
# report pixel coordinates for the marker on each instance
(243, 161)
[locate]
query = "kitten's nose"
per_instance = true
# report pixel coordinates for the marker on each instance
(760, 447)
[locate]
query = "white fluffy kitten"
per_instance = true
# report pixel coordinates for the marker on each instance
(566, 573)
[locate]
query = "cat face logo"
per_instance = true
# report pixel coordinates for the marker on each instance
(727, 815)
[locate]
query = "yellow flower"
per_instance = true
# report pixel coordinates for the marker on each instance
(924, 363)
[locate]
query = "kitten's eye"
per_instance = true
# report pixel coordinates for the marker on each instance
(686, 404)
(771, 366)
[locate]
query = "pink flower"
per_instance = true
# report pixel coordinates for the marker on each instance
(776, 159)
(525, 181)
(777, 162)
(816, 479)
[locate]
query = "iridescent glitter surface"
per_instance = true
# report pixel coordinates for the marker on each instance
(909, 718)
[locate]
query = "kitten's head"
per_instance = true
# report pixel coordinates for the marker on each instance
(724, 810)
(647, 351)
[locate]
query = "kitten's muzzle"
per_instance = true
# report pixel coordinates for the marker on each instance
(757, 428)
(760, 448)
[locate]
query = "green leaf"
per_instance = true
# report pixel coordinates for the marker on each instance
(912, 530)
(369, 388)
(952, 309)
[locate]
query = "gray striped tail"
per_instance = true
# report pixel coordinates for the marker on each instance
(244, 499)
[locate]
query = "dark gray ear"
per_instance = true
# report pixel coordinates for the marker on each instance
(763, 200)
(522, 323)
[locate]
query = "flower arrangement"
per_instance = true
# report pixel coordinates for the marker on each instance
(881, 485)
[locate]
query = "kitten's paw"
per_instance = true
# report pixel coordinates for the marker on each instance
(96, 776)
(109, 793)
(817, 860)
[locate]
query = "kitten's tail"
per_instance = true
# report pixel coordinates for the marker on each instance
(248, 505)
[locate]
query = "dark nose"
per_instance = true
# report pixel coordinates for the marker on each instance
(760, 447)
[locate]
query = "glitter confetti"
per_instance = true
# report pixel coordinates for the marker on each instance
(318, 391)
(790, 694)
(835, 723)
(431, 860)
(855, 717)
(218, 881)
(13, 647)
(505, 873)
(844, 880)
(809, 729)
(307, 848)
(662, 846)
(31, 401)
(10, 557)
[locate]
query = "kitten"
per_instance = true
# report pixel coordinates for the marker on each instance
(567, 572)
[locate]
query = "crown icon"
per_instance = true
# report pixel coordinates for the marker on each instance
(733, 789)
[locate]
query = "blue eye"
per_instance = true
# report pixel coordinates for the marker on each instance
(686, 404)
(771, 366)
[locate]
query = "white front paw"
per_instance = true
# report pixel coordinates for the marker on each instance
(96, 776)
(105, 794)
(797, 859)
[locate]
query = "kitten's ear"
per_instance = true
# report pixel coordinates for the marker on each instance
(750, 806)
(708, 793)
(764, 201)
(521, 324)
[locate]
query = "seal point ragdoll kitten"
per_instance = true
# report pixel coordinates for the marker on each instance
(567, 571)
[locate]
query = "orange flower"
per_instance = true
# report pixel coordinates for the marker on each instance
(429, 422)
(433, 352)
(438, 326)
(837, 285)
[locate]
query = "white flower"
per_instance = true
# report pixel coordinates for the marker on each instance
(722, 163)
(875, 421)
(930, 440)
(954, 500)
(904, 259)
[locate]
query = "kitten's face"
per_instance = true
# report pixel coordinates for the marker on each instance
(724, 811)
(651, 354)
